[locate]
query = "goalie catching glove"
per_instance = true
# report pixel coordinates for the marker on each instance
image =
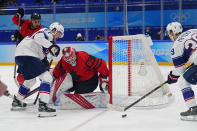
(103, 84)
(54, 50)
(172, 78)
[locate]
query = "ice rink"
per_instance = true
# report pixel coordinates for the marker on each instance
(166, 119)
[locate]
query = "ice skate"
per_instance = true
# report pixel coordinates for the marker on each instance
(189, 115)
(45, 111)
(18, 105)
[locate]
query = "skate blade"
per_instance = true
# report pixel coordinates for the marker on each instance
(189, 118)
(47, 114)
(17, 108)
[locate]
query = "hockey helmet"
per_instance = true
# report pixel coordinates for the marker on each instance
(58, 27)
(175, 27)
(69, 55)
(35, 16)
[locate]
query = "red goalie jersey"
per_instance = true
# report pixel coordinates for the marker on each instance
(81, 65)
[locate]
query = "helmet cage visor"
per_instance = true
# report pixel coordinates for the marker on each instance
(70, 58)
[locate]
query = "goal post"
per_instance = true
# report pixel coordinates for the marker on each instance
(133, 71)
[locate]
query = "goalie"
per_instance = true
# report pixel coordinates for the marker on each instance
(77, 72)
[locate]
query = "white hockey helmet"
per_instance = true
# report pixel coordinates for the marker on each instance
(58, 27)
(175, 27)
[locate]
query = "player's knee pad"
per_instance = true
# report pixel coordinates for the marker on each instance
(29, 83)
(46, 76)
(191, 75)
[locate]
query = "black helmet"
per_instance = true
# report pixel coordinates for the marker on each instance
(35, 16)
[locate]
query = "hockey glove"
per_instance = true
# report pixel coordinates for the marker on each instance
(17, 37)
(172, 78)
(103, 84)
(20, 12)
(54, 50)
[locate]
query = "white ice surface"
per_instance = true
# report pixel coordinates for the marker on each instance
(166, 119)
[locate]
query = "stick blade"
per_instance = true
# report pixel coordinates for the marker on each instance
(116, 107)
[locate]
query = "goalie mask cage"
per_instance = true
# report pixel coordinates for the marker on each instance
(133, 71)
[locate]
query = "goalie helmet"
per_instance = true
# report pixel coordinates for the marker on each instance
(58, 27)
(175, 27)
(69, 55)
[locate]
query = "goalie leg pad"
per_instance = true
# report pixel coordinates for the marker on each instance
(84, 101)
(61, 85)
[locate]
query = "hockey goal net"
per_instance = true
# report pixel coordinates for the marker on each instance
(133, 71)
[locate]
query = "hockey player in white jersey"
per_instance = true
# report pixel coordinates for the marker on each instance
(184, 51)
(28, 56)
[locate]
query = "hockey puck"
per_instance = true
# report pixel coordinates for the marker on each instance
(124, 115)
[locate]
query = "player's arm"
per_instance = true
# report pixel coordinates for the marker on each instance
(100, 66)
(97, 64)
(58, 70)
(178, 58)
(44, 38)
(15, 18)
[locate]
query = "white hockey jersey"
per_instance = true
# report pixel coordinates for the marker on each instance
(184, 51)
(34, 44)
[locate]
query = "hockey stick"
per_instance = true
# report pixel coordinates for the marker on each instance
(147, 94)
(19, 22)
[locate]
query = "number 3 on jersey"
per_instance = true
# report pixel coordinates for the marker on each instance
(191, 43)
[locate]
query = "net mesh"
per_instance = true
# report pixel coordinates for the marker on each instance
(135, 71)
